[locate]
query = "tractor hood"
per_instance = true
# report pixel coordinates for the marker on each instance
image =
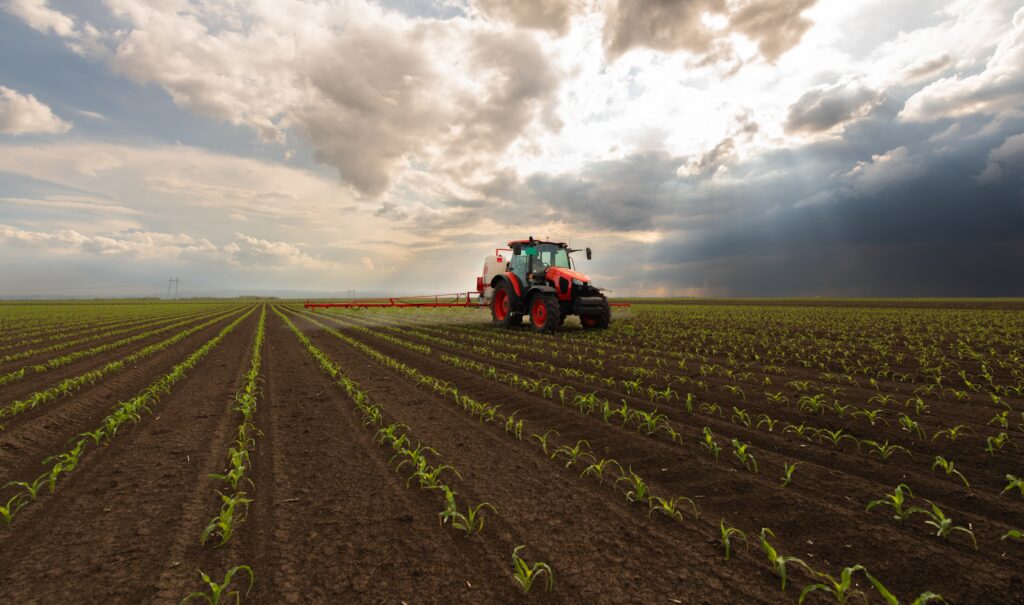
(553, 273)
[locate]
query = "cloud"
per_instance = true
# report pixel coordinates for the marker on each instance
(24, 114)
(548, 15)
(133, 244)
(774, 25)
(253, 251)
(1003, 161)
(372, 91)
(826, 107)
(41, 17)
(885, 171)
(998, 89)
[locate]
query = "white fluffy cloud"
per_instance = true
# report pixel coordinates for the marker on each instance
(24, 114)
(884, 171)
(999, 88)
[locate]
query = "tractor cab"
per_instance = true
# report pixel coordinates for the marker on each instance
(539, 280)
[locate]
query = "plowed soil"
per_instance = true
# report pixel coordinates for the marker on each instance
(332, 521)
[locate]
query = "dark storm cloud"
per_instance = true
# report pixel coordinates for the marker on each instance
(824, 107)
(889, 209)
(669, 25)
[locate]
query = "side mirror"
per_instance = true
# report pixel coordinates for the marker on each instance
(588, 253)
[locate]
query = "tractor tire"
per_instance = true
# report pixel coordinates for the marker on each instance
(504, 305)
(600, 321)
(545, 313)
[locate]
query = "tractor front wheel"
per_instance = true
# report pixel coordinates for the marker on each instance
(503, 306)
(599, 321)
(545, 314)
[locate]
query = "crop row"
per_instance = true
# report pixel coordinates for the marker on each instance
(70, 385)
(635, 490)
(129, 411)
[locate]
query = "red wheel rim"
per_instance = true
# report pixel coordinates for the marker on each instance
(501, 305)
(589, 320)
(539, 312)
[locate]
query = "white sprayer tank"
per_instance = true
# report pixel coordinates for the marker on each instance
(493, 265)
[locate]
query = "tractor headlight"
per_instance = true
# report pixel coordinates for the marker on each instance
(578, 282)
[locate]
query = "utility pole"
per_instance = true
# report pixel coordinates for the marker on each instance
(174, 281)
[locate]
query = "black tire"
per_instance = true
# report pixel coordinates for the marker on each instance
(545, 313)
(504, 306)
(599, 321)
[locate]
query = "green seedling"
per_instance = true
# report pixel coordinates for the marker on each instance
(12, 507)
(740, 451)
(944, 525)
(896, 501)
(670, 507)
(948, 467)
(597, 469)
(637, 490)
(217, 590)
(952, 433)
(787, 472)
(727, 535)
(543, 439)
(777, 561)
(710, 443)
(526, 574)
(1015, 483)
(1013, 534)
(580, 451)
(884, 449)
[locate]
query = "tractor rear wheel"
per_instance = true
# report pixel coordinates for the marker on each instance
(503, 305)
(599, 321)
(545, 313)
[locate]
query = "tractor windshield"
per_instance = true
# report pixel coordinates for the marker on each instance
(553, 256)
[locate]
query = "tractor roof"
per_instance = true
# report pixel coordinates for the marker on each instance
(519, 242)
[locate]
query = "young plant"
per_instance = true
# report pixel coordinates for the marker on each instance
(952, 433)
(944, 525)
(896, 500)
(231, 514)
(471, 521)
(637, 490)
(740, 451)
(884, 449)
(670, 507)
(597, 469)
(1013, 534)
(787, 472)
(580, 451)
(777, 561)
(727, 535)
(948, 467)
(710, 443)
(1015, 483)
(543, 439)
(12, 507)
(526, 574)
(217, 590)
(841, 589)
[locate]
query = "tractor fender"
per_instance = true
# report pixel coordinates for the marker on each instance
(538, 290)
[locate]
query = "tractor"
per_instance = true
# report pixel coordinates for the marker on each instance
(538, 280)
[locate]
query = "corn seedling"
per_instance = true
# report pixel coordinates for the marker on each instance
(12, 507)
(597, 469)
(543, 439)
(841, 589)
(1013, 534)
(471, 521)
(217, 589)
(944, 525)
(1015, 483)
(995, 444)
(836, 436)
(637, 490)
(727, 535)
(896, 501)
(670, 507)
(574, 454)
(740, 451)
(32, 489)
(787, 472)
(776, 560)
(952, 433)
(526, 574)
(710, 443)
(884, 449)
(231, 514)
(948, 467)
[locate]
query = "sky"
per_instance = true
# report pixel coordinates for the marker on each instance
(699, 147)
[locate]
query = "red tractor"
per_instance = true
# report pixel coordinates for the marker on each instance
(539, 280)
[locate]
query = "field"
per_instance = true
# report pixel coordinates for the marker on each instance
(692, 453)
